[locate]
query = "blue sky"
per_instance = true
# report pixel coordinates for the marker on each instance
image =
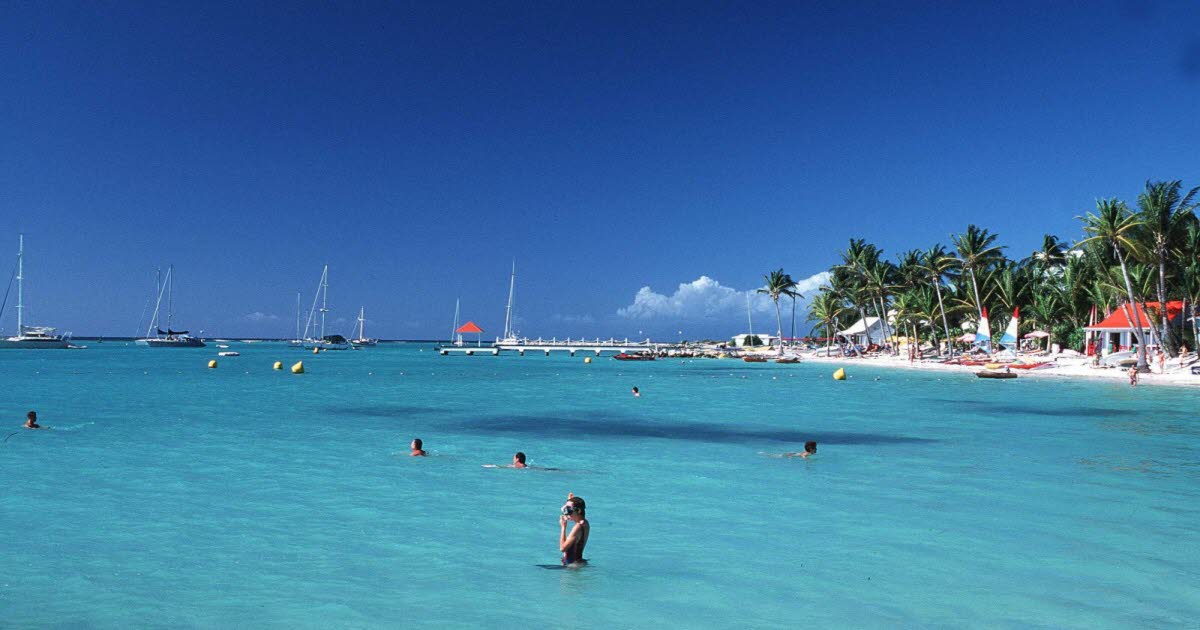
(643, 164)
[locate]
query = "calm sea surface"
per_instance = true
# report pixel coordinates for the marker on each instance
(171, 495)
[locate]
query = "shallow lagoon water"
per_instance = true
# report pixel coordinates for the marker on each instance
(169, 494)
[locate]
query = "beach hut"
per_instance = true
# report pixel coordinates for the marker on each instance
(1116, 331)
(468, 328)
(858, 332)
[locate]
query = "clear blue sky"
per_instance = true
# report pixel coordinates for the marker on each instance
(418, 148)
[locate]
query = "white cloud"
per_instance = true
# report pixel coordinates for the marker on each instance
(259, 316)
(705, 298)
(586, 318)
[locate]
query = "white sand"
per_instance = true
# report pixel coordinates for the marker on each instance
(1068, 367)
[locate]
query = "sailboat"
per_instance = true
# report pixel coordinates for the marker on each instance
(510, 334)
(323, 341)
(362, 341)
(156, 337)
(30, 337)
(297, 341)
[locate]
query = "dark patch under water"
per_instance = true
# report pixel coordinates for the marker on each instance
(610, 426)
(382, 411)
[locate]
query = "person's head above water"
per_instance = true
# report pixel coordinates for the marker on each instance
(417, 447)
(31, 420)
(519, 460)
(636, 391)
(575, 508)
(810, 447)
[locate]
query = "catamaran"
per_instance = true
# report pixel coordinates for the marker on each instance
(362, 340)
(30, 337)
(323, 342)
(156, 337)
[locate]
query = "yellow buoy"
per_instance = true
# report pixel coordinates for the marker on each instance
(212, 363)
(587, 359)
(298, 368)
(278, 365)
(840, 374)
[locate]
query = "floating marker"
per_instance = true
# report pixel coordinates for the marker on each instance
(840, 374)
(278, 365)
(587, 359)
(316, 350)
(298, 368)
(212, 363)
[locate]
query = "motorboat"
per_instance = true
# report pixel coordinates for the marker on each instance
(633, 357)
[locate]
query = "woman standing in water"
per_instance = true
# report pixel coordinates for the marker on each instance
(571, 545)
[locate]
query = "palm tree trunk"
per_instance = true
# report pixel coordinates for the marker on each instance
(1168, 340)
(779, 321)
(979, 307)
(1142, 365)
(862, 310)
(945, 324)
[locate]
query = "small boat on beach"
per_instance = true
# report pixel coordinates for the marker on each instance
(750, 358)
(633, 357)
(995, 374)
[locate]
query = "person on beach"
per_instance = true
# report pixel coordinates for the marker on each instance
(1182, 356)
(571, 545)
(636, 392)
(416, 447)
(1133, 377)
(31, 421)
(810, 448)
(1162, 362)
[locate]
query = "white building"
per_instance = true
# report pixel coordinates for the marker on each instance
(767, 340)
(857, 334)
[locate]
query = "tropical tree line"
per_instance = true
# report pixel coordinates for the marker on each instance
(1144, 255)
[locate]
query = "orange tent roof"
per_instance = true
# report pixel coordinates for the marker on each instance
(1119, 321)
(469, 327)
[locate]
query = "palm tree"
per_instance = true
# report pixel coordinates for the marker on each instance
(1165, 214)
(977, 251)
(851, 282)
(936, 264)
(1114, 226)
(778, 285)
(827, 308)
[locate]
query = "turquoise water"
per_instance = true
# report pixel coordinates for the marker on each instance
(169, 494)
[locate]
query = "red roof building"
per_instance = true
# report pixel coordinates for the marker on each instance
(1119, 320)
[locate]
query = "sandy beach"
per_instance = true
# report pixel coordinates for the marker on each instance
(1065, 367)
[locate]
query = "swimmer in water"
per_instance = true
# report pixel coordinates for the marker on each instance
(571, 545)
(636, 392)
(810, 448)
(31, 421)
(519, 460)
(416, 448)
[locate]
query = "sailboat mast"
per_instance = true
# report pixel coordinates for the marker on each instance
(20, 285)
(454, 328)
(170, 295)
(512, 283)
(297, 316)
(324, 297)
(158, 294)
(360, 323)
(749, 320)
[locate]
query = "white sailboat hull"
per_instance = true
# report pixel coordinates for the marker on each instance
(21, 343)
